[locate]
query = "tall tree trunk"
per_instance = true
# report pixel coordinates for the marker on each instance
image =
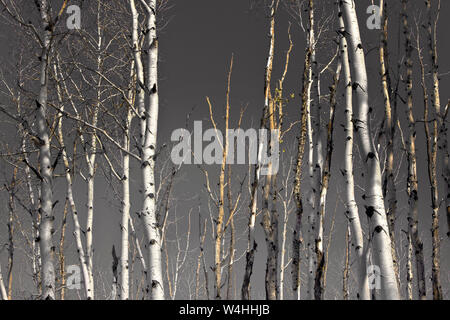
(35, 216)
(220, 219)
(304, 134)
(313, 158)
(124, 257)
(279, 99)
(319, 283)
(270, 216)
(11, 207)
(432, 155)
(148, 115)
(251, 250)
(413, 183)
(46, 226)
(91, 165)
(232, 247)
(350, 202)
(270, 221)
(378, 226)
(389, 189)
(68, 173)
(446, 173)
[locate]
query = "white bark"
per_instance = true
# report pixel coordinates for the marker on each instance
(149, 125)
(357, 239)
(435, 150)
(375, 210)
(312, 158)
(124, 257)
(251, 249)
(389, 188)
(90, 162)
(46, 194)
(124, 260)
(412, 182)
(70, 197)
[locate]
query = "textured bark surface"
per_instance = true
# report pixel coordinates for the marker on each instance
(319, 284)
(314, 155)
(389, 188)
(46, 194)
(70, 198)
(375, 211)
(297, 236)
(252, 245)
(350, 201)
(433, 150)
(148, 114)
(412, 182)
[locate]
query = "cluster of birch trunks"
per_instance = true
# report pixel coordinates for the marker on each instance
(87, 105)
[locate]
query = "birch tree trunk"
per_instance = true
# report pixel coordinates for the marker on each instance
(313, 154)
(148, 127)
(412, 183)
(270, 215)
(232, 246)
(11, 207)
(319, 283)
(446, 167)
(60, 85)
(124, 261)
(270, 222)
(375, 210)
(350, 202)
(36, 258)
(433, 153)
(297, 236)
(279, 99)
(91, 165)
(250, 255)
(305, 133)
(389, 189)
(124, 257)
(46, 194)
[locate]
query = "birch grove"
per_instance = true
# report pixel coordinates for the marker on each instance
(296, 150)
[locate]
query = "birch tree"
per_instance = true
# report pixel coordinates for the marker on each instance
(350, 201)
(148, 114)
(412, 183)
(304, 134)
(250, 256)
(432, 149)
(314, 157)
(320, 273)
(390, 110)
(375, 210)
(46, 194)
